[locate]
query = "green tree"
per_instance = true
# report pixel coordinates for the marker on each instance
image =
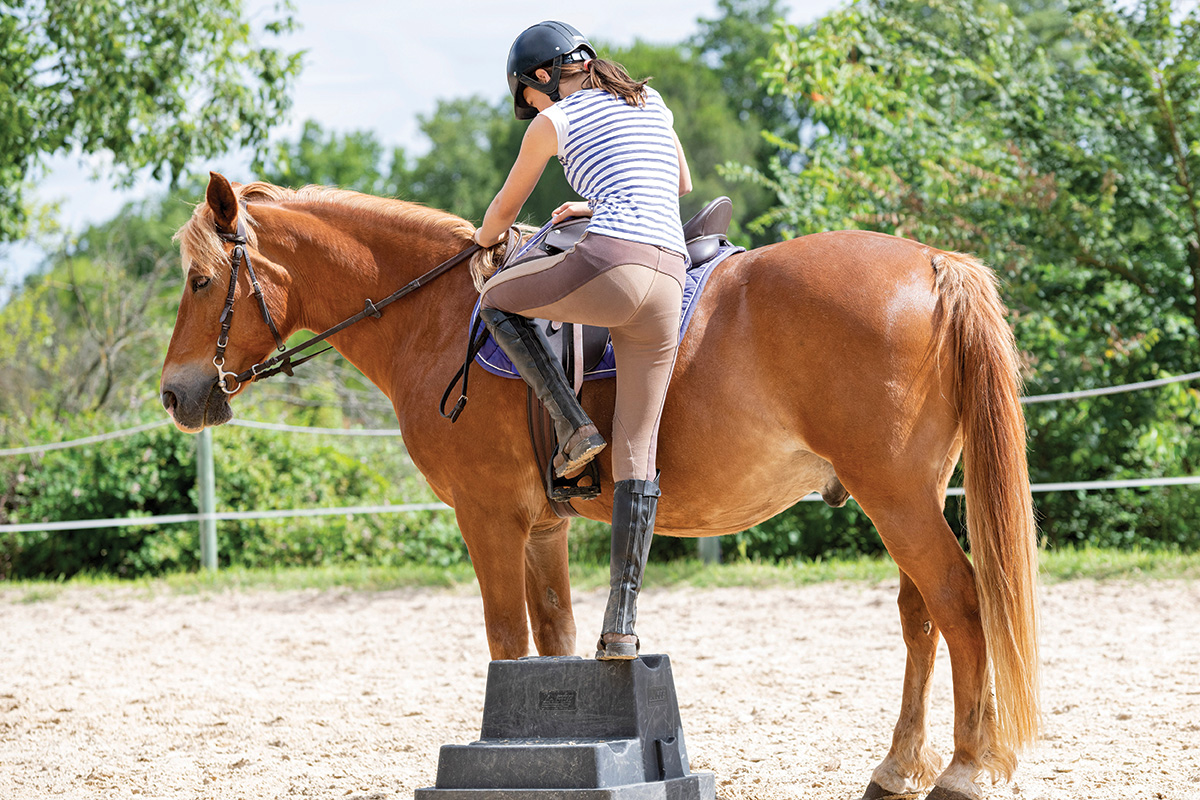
(151, 83)
(945, 123)
(353, 160)
(461, 172)
(88, 334)
(736, 46)
(1063, 155)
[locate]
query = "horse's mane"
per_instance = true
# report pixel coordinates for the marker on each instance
(202, 249)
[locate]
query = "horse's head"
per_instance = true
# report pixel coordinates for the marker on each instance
(201, 353)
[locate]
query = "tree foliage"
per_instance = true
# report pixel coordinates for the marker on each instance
(354, 160)
(150, 84)
(1065, 153)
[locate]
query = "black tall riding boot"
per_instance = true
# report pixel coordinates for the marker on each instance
(529, 350)
(634, 506)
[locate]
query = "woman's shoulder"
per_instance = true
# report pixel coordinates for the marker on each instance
(583, 97)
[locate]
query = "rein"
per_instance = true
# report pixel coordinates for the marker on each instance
(282, 361)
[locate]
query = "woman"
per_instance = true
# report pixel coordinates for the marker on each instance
(615, 140)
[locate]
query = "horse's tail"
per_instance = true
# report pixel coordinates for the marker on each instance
(975, 335)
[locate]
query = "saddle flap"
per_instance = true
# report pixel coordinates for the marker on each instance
(565, 235)
(595, 342)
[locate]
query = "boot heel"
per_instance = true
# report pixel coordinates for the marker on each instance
(617, 651)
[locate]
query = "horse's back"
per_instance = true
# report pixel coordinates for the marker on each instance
(869, 282)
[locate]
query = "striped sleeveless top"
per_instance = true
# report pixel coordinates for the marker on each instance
(622, 159)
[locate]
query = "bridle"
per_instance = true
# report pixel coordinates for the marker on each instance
(237, 257)
(282, 360)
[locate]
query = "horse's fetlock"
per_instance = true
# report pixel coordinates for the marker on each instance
(907, 773)
(999, 763)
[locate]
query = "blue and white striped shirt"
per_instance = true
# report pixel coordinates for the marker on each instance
(622, 159)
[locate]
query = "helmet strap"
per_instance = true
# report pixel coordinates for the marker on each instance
(550, 87)
(555, 74)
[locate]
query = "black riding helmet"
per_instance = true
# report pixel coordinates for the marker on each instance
(549, 45)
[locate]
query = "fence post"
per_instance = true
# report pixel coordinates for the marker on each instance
(709, 549)
(208, 500)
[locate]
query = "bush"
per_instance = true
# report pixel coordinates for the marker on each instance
(154, 473)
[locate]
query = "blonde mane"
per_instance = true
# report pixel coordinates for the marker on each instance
(202, 249)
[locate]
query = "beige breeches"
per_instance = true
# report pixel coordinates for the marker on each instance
(634, 290)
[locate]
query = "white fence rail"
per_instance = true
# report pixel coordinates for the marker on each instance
(208, 516)
(220, 516)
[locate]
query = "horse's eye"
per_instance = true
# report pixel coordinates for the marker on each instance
(200, 283)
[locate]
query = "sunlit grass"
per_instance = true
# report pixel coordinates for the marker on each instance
(1100, 564)
(1058, 565)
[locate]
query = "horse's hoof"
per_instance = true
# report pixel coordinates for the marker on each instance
(941, 793)
(876, 792)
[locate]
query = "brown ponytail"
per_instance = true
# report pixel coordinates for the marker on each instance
(612, 78)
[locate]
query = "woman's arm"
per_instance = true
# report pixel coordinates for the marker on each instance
(538, 145)
(685, 175)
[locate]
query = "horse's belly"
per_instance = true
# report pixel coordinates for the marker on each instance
(731, 494)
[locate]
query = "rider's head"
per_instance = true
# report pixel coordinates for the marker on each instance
(546, 48)
(548, 53)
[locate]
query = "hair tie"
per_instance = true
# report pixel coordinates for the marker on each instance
(587, 65)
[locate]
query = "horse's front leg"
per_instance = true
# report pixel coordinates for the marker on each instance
(496, 542)
(911, 765)
(548, 589)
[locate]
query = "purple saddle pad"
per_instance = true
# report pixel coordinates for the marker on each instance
(493, 359)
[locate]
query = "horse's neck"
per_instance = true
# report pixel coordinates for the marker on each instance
(335, 267)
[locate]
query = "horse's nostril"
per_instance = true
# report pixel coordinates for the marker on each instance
(168, 400)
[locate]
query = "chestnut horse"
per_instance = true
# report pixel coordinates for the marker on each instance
(847, 359)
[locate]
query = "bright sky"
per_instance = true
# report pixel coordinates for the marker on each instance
(376, 66)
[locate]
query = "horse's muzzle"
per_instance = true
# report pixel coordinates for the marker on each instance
(197, 406)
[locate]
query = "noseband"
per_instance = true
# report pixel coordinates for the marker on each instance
(230, 382)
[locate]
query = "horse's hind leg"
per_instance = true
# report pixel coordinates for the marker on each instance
(548, 589)
(923, 546)
(911, 765)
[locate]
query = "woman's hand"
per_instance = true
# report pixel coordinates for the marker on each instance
(578, 208)
(479, 240)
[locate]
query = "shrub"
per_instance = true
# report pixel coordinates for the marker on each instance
(154, 473)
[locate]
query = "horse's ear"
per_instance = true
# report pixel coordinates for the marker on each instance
(223, 202)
